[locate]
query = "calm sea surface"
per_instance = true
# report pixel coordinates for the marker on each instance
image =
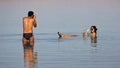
(66, 16)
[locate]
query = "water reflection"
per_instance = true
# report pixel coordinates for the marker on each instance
(30, 57)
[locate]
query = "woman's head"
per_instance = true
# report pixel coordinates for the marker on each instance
(93, 29)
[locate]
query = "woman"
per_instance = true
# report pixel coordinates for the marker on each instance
(93, 31)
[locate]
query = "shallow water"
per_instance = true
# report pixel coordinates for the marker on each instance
(67, 17)
(51, 52)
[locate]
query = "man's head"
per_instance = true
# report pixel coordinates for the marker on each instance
(30, 13)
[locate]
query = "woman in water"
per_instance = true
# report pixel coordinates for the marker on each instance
(93, 32)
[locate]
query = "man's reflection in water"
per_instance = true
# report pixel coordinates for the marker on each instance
(30, 57)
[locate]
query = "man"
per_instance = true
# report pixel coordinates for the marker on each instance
(28, 23)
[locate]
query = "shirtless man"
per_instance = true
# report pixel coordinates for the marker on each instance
(28, 23)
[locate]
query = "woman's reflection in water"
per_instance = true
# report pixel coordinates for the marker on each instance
(30, 57)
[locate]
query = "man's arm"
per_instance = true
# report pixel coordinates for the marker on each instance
(35, 23)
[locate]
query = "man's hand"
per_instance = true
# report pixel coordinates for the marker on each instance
(34, 17)
(35, 24)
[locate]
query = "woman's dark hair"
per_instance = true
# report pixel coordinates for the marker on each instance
(30, 13)
(94, 27)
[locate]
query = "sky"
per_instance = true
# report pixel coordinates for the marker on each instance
(59, 15)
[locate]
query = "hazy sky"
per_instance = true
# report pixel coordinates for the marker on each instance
(62, 13)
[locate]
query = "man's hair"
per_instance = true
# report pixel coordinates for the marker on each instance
(30, 13)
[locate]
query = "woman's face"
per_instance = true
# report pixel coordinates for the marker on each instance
(92, 29)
